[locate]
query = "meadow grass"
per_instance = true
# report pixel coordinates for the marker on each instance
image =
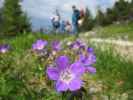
(24, 41)
(122, 30)
(22, 75)
(113, 68)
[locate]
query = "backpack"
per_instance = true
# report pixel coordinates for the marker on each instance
(77, 13)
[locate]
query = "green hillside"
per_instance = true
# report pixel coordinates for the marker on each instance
(117, 31)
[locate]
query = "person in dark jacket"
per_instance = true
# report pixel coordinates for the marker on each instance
(75, 18)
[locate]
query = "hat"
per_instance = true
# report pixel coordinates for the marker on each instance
(73, 6)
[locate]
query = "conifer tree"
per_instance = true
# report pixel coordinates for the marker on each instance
(0, 19)
(100, 18)
(121, 8)
(15, 21)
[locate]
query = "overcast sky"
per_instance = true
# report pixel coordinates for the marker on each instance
(40, 11)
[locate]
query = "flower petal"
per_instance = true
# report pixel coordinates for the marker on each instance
(39, 44)
(75, 84)
(56, 45)
(4, 48)
(81, 57)
(77, 68)
(91, 59)
(61, 86)
(52, 73)
(90, 50)
(91, 70)
(62, 62)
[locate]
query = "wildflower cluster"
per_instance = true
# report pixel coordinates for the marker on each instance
(68, 63)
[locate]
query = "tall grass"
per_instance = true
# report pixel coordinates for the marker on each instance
(112, 69)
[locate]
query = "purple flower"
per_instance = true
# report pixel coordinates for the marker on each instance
(67, 76)
(91, 69)
(87, 60)
(4, 48)
(77, 45)
(90, 50)
(39, 45)
(56, 45)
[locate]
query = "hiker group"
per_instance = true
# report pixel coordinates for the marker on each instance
(67, 26)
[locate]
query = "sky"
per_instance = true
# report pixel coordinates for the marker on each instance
(40, 11)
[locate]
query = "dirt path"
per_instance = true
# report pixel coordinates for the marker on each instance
(124, 48)
(109, 41)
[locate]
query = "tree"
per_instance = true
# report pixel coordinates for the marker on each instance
(121, 11)
(0, 19)
(25, 24)
(131, 11)
(121, 8)
(88, 21)
(101, 18)
(111, 15)
(15, 21)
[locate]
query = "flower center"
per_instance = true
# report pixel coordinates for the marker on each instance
(76, 47)
(66, 76)
(3, 50)
(40, 47)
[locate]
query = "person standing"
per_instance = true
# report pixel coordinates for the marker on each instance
(56, 21)
(68, 27)
(62, 27)
(75, 19)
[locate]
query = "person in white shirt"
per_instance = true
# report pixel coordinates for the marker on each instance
(56, 21)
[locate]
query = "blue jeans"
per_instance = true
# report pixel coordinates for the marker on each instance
(75, 29)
